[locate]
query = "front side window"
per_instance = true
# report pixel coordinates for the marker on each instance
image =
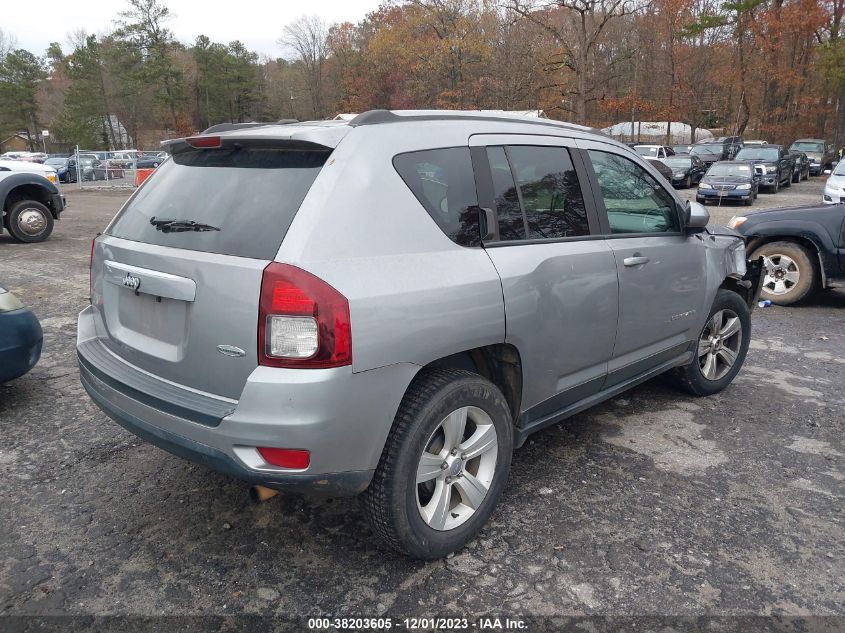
(444, 183)
(635, 202)
(537, 193)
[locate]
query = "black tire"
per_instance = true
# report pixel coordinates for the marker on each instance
(805, 263)
(690, 377)
(688, 182)
(788, 182)
(796, 177)
(776, 187)
(18, 232)
(750, 200)
(390, 503)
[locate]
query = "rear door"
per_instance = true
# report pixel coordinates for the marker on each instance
(558, 274)
(177, 275)
(661, 270)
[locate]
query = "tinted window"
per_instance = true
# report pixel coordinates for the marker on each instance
(250, 194)
(806, 146)
(645, 150)
(704, 150)
(444, 183)
(729, 169)
(635, 202)
(551, 195)
(758, 153)
(679, 162)
(506, 199)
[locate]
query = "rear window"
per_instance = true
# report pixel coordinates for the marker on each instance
(250, 194)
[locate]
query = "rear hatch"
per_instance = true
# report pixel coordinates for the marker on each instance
(177, 275)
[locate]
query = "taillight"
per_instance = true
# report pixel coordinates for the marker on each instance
(302, 321)
(204, 142)
(293, 458)
(90, 268)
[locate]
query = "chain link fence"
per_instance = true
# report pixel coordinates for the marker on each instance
(98, 169)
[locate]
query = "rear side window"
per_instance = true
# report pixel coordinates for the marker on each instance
(547, 203)
(246, 197)
(444, 183)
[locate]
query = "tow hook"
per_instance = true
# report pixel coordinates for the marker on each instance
(260, 494)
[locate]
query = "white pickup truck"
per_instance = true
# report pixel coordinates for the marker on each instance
(30, 200)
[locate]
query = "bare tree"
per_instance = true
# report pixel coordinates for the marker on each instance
(8, 43)
(307, 37)
(578, 28)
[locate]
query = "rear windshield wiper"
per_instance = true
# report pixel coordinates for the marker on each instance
(169, 225)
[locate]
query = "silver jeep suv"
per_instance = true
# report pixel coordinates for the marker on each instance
(389, 306)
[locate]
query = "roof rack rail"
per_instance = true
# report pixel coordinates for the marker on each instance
(376, 117)
(225, 127)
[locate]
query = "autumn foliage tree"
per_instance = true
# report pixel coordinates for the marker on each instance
(764, 68)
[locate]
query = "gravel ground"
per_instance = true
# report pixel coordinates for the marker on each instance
(654, 503)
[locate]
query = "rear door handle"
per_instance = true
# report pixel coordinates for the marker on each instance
(636, 260)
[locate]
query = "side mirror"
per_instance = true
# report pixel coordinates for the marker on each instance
(697, 216)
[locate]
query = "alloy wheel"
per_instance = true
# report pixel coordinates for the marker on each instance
(456, 468)
(782, 274)
(719, 344)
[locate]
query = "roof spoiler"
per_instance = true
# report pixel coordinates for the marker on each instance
(225, 127)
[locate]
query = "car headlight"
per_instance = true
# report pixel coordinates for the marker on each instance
(770, 169)
(736, 221)
(678, 174)
(745, 187)
(704, 185)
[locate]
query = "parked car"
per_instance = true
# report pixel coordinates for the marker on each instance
(60, 165)
(729, 145)
(803, 247)
(91, 169)
(379, 363)
(20, 338)
(729, 181)
(151, 160)
(820, 152)
(660, 166)
(801, 169)
(112, 170)
(771, 163)
(654, 151)
(682, 149)
(687, 170)
(709, 153)
(29, 200)
(834, 188)
(32, 157)
(124, 160)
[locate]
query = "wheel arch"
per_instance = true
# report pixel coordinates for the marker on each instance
(500, 363)
(22, 186)
(802, 240)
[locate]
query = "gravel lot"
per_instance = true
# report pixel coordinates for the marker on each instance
(654, 503)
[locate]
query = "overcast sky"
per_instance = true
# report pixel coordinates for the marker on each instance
(257, 23)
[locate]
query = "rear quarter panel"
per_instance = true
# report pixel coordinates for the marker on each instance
(414, 295)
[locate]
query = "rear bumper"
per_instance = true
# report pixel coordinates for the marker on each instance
(341, 417)
(20, 343)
